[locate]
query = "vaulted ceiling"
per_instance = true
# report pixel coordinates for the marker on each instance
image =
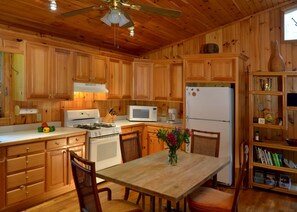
(151, 31)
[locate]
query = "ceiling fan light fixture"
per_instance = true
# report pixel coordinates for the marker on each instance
(53, 5)
(115, 16)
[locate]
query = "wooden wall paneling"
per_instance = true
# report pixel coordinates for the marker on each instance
(244, 40)
(215, 37)
(264, 44)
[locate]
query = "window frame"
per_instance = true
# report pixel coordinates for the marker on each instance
(283, 12)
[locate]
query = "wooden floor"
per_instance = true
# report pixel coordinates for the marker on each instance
(252, 200)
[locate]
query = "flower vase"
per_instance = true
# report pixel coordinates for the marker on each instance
(276, 61)
(172, 157)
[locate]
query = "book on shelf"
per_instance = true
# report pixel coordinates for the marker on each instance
(267, 157)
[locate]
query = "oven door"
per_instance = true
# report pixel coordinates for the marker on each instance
(105, 151)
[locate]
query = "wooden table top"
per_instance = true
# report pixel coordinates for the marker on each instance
(153, 174)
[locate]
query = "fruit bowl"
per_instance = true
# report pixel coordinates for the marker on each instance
(291, 141)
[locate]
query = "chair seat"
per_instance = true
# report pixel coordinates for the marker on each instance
(209, 199)
(117, 205)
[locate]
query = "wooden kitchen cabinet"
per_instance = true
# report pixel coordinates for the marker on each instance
(12, 45)
(153, 142)
(142, 79)
(90, 68)
(2, 177)
(46, 75)
(143, 142)
(210, 67)
(25, 172)
(58, 171)
(168, 80)
(119, 82)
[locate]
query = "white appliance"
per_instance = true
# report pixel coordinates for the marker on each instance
(142, 113)
(103, 141)
(211, 109)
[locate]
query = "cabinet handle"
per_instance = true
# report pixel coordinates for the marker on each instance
(27, 162)
(57, 143)
(76, 139)
(22, 187)
(28, 148)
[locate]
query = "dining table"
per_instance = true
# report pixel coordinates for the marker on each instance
(154, 176)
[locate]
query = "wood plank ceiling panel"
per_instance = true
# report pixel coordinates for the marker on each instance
(151, 31)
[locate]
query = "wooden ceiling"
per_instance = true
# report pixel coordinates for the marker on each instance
(151, 31)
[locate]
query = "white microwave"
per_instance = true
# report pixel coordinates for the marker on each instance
(142, 113)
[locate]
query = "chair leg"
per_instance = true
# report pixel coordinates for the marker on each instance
(126, 195)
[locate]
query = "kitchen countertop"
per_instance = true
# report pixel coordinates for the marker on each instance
(126, 123)
(17, 137)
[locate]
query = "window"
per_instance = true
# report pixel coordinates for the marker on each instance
(290, 24)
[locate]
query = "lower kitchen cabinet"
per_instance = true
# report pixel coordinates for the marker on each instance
(32, 173)
(153, 142)
(25, 167)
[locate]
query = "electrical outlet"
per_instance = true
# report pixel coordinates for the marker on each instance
(38, 117)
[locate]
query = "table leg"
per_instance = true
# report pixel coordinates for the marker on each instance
(168, 205)
(143, 201)
(185, 204)
(152, 206)
(160, 205)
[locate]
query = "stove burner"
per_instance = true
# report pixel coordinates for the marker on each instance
(88, 127)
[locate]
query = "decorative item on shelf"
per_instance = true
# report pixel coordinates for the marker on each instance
(174, 141)
(269, 116)
(291, 141)
(266, 84)
(276, 61)
(210, 48)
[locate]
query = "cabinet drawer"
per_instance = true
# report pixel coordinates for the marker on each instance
(16, 164)
(76, 139)
(15, 180)
(126, 130)
(57, 143)
(22, 178)
(20, 163)
(152, 129)
(137, 128)
(16, 195)
(25, 149)
(35, 189)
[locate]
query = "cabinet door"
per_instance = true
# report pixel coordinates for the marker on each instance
(82, 67)
(196, 69)
(80, 151)
(61, 75)
(142, 77)
(176, 82)
(126, 80)
(99, 69)
(38, 83)
(56, 169)
(222, 69)
(153, 144)
(114, 79)
(161, 81)
(2, 176)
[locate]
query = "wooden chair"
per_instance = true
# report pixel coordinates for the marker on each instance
(206, 143)
(209, 199)
(88, 194)
(131, 150)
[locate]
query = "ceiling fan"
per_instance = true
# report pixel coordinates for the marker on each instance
(117, 15)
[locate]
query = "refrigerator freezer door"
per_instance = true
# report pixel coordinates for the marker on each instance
(209, 103)
(226, 138)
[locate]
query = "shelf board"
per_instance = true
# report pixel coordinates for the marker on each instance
(291, 108)
(272, 93)
(275, 145)
(276, 168)
(274, 188)
(269, 126)
(270, 73)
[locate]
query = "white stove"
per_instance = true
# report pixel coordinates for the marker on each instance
(103, 143)
(90, 120)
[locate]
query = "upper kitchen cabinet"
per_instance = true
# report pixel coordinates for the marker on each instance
(90, 68)
(210, 67)
(119, 79)
(45, 75)
(142, 79)
(12, 45)
(170, 73)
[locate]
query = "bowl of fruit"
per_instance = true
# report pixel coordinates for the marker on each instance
(46, 128)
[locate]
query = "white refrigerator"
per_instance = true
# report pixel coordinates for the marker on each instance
(212, 109)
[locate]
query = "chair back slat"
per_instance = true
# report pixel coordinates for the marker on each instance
(85, 182)
(130, 146)
(206, 143)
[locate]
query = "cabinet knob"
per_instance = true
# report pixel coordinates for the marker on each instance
(27, 162)
(28, 148)
(76, 139)
(57, 143)
(22, 187)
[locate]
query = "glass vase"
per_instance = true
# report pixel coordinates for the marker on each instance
(172, 157)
